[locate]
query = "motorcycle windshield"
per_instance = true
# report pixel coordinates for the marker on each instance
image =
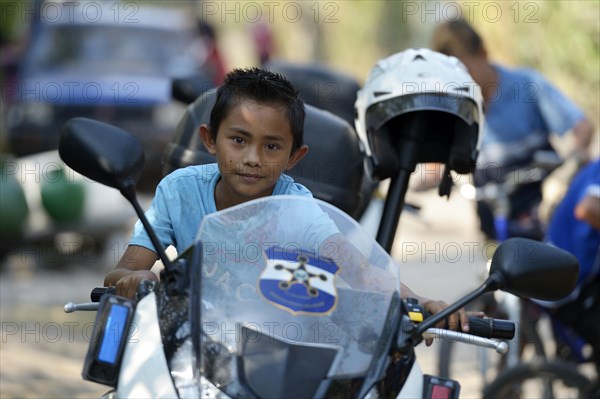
(289, 280)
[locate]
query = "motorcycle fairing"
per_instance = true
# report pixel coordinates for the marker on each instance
(413, 387)
(226, 299)
(144, 356)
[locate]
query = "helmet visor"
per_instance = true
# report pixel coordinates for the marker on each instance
(380, 113)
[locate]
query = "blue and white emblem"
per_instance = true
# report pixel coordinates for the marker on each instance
(299, 281)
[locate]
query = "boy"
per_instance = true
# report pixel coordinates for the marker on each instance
(256, 133)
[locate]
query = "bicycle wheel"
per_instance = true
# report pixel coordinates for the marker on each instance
(539, 379)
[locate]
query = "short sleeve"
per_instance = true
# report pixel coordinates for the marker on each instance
(159, 218)
(314, 223)
(287, 186)
(559, 112)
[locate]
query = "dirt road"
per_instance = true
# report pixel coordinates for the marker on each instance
(42, 348)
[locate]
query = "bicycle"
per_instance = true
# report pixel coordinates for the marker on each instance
(497, 195)
(559, 376)
(542, 377)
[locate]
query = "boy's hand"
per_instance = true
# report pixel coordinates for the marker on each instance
(127, 285)
(133, 267)
(458, 321)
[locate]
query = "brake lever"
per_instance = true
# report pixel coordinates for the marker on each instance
(71, 307)
(454, 336)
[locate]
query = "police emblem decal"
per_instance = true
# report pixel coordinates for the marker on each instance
(299, 281)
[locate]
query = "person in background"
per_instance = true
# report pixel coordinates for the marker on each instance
(263, 41)
(214, 59)
(575, 227)
(522, 109)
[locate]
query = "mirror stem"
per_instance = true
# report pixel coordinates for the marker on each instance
(128, 191)
(493, 282)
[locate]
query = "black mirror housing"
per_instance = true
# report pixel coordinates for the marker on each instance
(113, 157)
(532, 269)
(102, 152)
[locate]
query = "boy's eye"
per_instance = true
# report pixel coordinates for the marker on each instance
(238, 140)
(272, 147)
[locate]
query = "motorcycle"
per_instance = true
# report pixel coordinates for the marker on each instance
(279, 297)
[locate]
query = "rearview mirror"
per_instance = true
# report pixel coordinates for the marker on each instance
(532, 269)
(525, 268)
(110, 156)
(102, 152)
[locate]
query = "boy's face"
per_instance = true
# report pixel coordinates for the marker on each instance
(253, 148)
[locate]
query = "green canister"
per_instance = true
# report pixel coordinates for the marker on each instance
(63, 198)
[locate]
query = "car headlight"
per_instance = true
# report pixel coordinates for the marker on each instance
(38, 113)
(168, 115)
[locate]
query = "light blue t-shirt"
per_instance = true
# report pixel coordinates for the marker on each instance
(524, 112)
(182, 200)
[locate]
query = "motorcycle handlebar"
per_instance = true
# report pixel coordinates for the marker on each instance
(97, 293)
(487, 327)
(144, 288)
(483, 331)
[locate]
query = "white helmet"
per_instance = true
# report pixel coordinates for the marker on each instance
(419, 106)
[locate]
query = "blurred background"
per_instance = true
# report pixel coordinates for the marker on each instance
(116, 61)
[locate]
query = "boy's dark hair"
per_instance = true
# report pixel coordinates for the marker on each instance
(457, 37)
(262, 86)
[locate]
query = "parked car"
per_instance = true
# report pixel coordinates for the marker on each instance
(109, 61)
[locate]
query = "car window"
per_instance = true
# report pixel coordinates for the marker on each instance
(119, 48)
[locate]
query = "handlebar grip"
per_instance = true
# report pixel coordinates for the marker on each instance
(488, 327)
(97, 293)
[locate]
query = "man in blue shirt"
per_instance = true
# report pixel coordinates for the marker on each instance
(522, 110)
